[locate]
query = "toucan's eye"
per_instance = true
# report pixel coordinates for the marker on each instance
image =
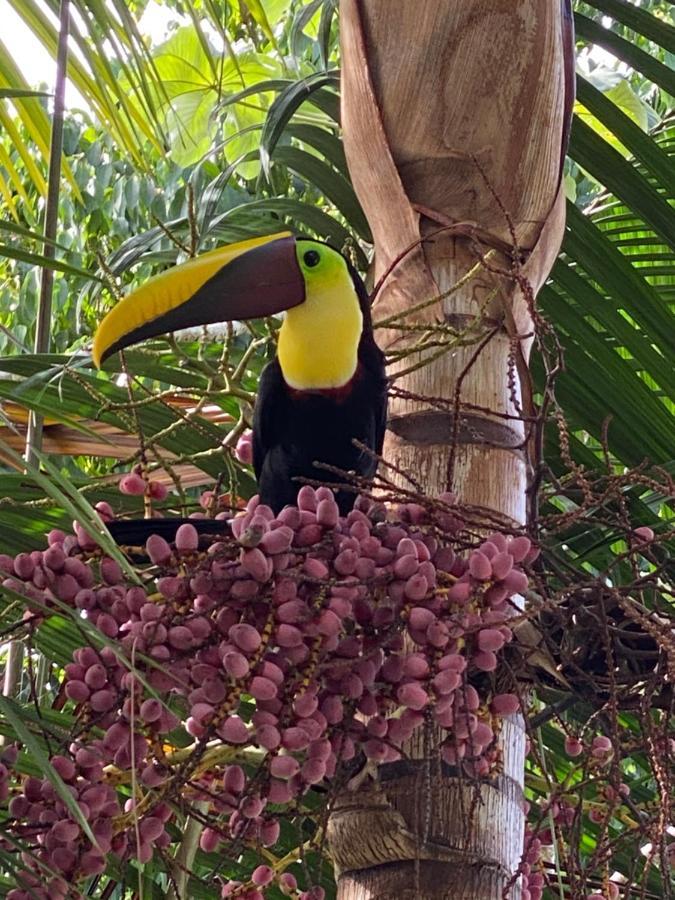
(311, 258)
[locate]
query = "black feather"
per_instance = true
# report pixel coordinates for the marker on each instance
(293, 430)
(135, 532)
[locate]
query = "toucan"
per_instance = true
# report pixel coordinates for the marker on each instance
(325, 390)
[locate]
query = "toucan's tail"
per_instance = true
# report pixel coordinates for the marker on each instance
(135, 532)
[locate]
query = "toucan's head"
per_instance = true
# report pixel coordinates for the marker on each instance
(252, 279)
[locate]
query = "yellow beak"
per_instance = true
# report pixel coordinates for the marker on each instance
(252, 279)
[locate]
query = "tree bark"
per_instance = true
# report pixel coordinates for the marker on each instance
(455, 117)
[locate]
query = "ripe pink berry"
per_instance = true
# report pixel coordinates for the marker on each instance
(234, 780)
(262, 688)
(209, 840)
(103, 701)
(187, 538)
(256, 564)
(447, 681)
(245, 636)
(235, 664)
(277, 541)
(313, 771)
(284, 766)
(54, 558)
(415, 666)
(151, 827)
(327, 513)
(421, 618)
(501, 564)
(233, 730)
(307, 498)
(77, 691)
(412, 695)
(269, 832)
(406, 566)
(244, 448)
(416, 587)
(490, 639)
(92, 863)
(516, 581)
(262, 875)
(505, 704)
(289, 636)
(158, 549)
(132, 484)
(268, 737)
(485, 660)
(519, 547)
(295, 739)
(459, 592)
(601, 747)
(573, 746)
(64, 767)
(480, 566)
(158, 490)
(288, 884)
(65, 831)
(345, 562)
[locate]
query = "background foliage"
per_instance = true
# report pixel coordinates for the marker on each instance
(230, 127)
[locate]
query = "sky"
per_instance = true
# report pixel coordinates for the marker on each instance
(38, 67)
(35, 62)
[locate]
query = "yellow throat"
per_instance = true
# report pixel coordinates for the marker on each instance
(319, 340)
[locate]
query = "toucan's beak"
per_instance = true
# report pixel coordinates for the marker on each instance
(249, 280)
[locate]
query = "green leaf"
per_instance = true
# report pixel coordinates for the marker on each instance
(630, 135)
(327, 144)
(61, 490)
(632, 55)
(639, 20)
(58, 638)
(46, 262)
(331, 184)
(257, 10)
(15, 715)
(621, 178)
(9, 93)
(284, 106)
(32, 235)
(606, 265)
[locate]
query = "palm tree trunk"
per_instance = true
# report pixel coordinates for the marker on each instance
(455, 115)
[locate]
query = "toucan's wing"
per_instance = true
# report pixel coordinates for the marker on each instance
(268, 415)
(373, 359)
(381, 420)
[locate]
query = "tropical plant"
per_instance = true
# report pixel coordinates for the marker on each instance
(231, 127)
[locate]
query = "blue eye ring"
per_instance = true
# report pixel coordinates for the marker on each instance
(311, 258)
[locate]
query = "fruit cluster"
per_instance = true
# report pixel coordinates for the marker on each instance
(306, 637)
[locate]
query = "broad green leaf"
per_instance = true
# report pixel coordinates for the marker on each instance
(640, 20)
(274, 10)
(58, 638)
(606, 164)
(626, 133)
(36, 259)
(605, 264)
(284, 106)
(257, 10)
(336, 188)
(629, 53)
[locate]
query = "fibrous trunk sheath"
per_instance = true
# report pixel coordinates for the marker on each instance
(455, 119)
